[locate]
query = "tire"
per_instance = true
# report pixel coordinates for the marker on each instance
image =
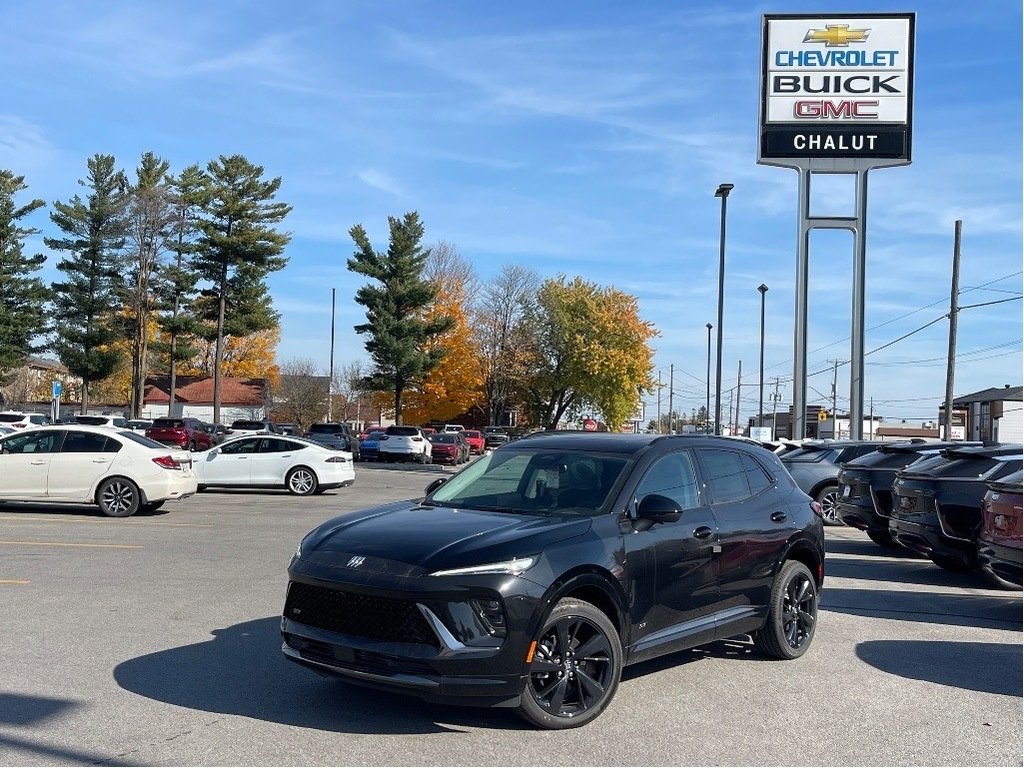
(828, 497)
(563, 691)
(152, 506)
(301, 481)
(883, 539)
(118, 497)
(792, 613)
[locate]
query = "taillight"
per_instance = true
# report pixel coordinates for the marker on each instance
(167, 462)
(417, 439)
(816, 509)
(336, 460)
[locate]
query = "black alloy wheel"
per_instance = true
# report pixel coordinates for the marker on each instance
(575, 668)
(792, 613)
(828, 497)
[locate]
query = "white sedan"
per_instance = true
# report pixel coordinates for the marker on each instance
(116, 469)
(274, 461)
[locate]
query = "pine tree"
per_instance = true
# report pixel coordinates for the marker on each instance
(150, 216)
(23, 309)
(238, 248)
(176, 284)
(85, 307)
(396, 324)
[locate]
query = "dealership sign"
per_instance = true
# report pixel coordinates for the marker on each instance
(836, 87)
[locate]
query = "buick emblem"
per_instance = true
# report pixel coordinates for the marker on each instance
(356, 561)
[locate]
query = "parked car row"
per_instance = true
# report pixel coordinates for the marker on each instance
(957, 504)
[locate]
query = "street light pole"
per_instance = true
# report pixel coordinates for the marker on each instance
(723, 193)
(707, 401)
(760, 378)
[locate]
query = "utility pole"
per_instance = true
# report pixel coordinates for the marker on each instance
(671, 386)
(835, 373)
(953, 310)
(739, 374)
(330, 380)
(660, 385)
(775, 404)
(729, 410)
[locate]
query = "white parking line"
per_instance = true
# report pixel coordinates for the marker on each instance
(69, 544)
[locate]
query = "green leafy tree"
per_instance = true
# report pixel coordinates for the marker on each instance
(86, 305)
(176, 286)
(23, 309)
(397, 324)
(590, 348)
(150, 217)
(238, 248)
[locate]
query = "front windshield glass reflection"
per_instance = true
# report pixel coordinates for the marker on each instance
(534, 481)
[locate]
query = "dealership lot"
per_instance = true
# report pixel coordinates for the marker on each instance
(153, 640)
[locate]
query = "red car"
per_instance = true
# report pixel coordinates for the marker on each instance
(475, 438)
(187, 433)
(999, 543)
(444, 448)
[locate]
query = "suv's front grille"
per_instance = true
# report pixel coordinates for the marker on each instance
(375, 618)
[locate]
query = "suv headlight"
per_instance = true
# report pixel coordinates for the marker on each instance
(514, 567)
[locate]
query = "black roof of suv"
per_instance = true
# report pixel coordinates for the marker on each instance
(534, 575)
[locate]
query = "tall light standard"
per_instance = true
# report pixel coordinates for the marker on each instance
(760, 379)
(707, 402)
(722, 192)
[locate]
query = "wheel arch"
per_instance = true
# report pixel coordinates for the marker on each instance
(805, 552)
(592, 585)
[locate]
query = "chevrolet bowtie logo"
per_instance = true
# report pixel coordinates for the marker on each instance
(836, 35)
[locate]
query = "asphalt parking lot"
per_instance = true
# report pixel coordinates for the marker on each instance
(153, 640)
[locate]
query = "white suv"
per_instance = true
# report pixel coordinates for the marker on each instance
(404, 444)
(19, 420)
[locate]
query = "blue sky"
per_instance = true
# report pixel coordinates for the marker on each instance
(579, 138)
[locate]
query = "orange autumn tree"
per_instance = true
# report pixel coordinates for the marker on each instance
(456, 385)
(245, 357)
(590, 348)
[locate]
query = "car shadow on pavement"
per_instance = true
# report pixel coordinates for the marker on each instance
(985, 667)
(740, 647)
(241, 671)
(80, 510)
(868, 548)
(995, 611)
(904, 572)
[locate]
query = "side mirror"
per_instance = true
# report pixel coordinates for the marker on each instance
(435, 485)
(659, 509)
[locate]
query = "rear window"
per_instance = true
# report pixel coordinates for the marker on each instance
(325, 429)
(806, 454)
(472, 433)
(135, 437)
(403, 431)
(248, 425)
(96, 421)
(441, 438)
(168, 423)
(10, 418)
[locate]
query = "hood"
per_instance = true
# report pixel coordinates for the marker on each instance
(436, 538)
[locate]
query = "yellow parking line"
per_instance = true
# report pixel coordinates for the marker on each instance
(20, 582)
(64, 544)
(15, 518)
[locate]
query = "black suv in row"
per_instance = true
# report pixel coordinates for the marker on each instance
(534, 575)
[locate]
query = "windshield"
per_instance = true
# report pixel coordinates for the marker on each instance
(534, 481)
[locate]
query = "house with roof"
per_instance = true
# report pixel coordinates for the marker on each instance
(240, 398)
(992, 415)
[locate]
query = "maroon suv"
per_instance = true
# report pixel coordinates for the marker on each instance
(187, 433)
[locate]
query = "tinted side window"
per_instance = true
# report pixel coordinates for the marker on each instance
(277, 445)
(757, 479)
(88, 442)
(671, 476)
(33, 442)
(248, 445)
(726, 475)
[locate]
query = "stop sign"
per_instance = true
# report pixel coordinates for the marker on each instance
(590, 425)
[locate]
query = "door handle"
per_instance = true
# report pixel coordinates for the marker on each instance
(99, 461)
(702, 533)
(777, 517)
(37, 462)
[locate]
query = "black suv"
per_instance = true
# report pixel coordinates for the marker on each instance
(530, 578)
(937, 509)
(334, 434)
(865, 485)
(815, 468)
